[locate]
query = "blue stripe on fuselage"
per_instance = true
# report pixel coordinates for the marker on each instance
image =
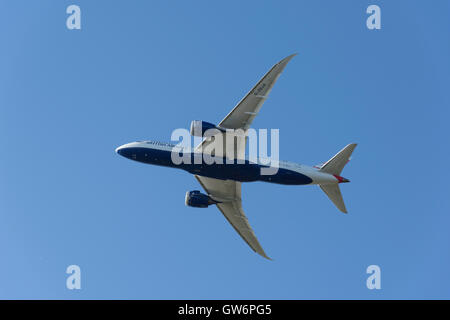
(244, 172)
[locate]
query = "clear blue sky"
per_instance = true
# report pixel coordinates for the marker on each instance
(139, 69)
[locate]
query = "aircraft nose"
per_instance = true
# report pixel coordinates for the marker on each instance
(121, 150)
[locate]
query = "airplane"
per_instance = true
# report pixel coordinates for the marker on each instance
(222, 181)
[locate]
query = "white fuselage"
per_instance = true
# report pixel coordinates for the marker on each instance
(282, 172)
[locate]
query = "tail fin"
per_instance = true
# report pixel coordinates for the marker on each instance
(334, 166)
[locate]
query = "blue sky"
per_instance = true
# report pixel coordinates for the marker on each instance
(139, 69)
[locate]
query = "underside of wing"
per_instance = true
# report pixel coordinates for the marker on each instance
(228, 193)
(235, 215)
(246, 110)
(242, 115)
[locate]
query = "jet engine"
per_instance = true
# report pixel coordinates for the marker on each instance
(198, 128)
(198, 200)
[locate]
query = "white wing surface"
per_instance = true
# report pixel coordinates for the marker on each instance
(228, 192)
(242, 115)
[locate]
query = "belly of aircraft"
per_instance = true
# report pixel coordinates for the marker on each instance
(243, 172)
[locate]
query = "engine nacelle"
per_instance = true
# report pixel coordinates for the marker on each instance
(198, 128)
(198, 200)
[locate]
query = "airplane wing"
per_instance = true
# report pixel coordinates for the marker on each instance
(229, 193)
(242, 115)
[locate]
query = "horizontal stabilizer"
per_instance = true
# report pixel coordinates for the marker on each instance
(334, 193)
(336, 164)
